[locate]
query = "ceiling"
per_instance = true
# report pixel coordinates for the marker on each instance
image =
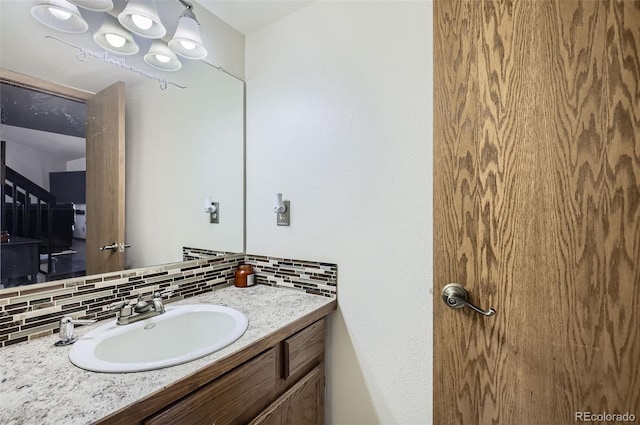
(42, 121)
(22, 107)
(247, 16)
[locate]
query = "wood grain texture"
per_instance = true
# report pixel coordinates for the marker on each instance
(303, 404)
(619, 211)
(303, 346)
(225, 400)
(537, 209)
(105, 136)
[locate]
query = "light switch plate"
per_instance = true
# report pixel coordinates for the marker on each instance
(284, 218)
(215, 216)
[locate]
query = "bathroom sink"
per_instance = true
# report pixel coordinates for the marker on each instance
(182, 334)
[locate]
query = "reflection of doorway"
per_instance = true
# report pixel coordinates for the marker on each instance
(105, 153)
(45, 145)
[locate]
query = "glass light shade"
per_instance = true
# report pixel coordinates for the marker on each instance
(95, 5)
(63, 15)
(59, 15)
(145, 14)
(187, 41)
(142, 22)
(115, 40)
(161, 57)
(112, 37)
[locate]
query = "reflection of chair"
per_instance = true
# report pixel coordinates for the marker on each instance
(62, 221)
(19, 263)
(44, 264)
(61, 236)
(65, 264)
(27, 211)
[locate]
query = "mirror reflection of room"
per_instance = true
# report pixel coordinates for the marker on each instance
(44, 155)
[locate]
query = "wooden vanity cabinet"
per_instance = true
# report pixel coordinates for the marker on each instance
(283, 384)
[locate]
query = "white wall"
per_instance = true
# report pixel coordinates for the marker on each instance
(31, 163)
(79, 164)
(339, 119)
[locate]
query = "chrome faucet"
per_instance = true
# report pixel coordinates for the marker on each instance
(140, 308)
(158, 305)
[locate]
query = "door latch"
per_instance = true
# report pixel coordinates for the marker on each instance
(455, 296)
(113, 247)
(116, 247)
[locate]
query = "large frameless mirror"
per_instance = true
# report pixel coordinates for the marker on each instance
(183, 135)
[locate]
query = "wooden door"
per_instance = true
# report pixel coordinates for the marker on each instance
(106, 179)
(537, 210)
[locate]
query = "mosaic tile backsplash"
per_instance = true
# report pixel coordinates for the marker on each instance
(32, 311)
(311, 276)
(198, 253)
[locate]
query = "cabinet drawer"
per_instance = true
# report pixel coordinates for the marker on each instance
(228, 399)
(303, 347)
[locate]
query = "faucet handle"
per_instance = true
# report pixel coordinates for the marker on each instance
(163, 294)
(124, 307)
(117, 305)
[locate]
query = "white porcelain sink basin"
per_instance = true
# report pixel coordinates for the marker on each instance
(182, 334)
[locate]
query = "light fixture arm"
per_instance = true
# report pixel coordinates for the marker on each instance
(188, 11)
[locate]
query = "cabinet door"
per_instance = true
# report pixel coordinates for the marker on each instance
(227, 399)
(303, 404)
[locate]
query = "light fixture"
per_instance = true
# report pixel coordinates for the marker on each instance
(113, 37)
(141, 17)
(281, 208)
(161, 57)
(94, 5)
(186, 40)
(124, 21)
(59, 15)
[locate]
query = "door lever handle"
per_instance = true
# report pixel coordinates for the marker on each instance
(113, 247)
(116, 247)
(455, 296)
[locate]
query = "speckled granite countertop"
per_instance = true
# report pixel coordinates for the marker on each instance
(38, 384)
